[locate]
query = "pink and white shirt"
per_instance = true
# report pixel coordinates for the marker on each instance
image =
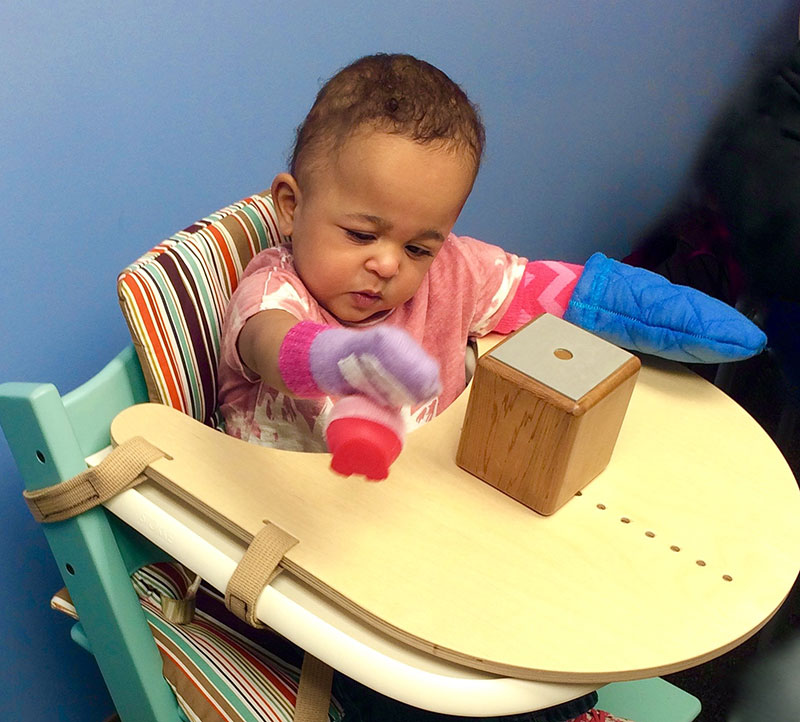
(465, 293)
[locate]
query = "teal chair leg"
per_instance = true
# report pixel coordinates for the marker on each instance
(47, 451)
(648, 700)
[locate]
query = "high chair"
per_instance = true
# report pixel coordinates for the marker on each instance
(173, 300)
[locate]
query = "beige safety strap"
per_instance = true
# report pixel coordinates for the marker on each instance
(257, 568)
(124, 468)
(181, 611)
(314, 691)
(120, 470)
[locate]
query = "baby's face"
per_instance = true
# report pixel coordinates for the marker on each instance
(372, 218)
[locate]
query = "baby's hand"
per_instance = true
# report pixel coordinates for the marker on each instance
(384, 363)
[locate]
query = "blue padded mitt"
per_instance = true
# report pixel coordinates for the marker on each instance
(642, 311)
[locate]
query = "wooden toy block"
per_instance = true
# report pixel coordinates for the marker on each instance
(544, 412)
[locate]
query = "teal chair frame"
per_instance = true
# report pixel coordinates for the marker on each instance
(50, 436)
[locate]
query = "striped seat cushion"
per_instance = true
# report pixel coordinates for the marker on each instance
(174, 297)
(216, 672)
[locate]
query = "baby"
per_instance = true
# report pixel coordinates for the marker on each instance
(375, 296)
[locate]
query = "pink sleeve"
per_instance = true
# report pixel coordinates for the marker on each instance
(546, 287)
(270, 289)
(493, 274)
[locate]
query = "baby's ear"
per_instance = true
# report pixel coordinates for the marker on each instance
(285, 195)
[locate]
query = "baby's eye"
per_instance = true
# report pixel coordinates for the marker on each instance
(418, 251)
(359, 236)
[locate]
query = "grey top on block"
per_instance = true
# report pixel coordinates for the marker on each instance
(560, 355)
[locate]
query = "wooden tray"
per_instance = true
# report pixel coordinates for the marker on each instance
(681, 549)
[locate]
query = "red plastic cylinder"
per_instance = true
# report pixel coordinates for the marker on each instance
(362, 446)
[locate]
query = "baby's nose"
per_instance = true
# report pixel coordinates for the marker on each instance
(384, 261)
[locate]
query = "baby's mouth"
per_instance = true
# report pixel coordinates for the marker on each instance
(365, 299)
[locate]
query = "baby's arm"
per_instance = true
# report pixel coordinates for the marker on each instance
(545, 287)
(309, 360)
(260, 342)
(636, 309)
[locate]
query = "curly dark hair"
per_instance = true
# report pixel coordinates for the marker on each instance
(396, 94)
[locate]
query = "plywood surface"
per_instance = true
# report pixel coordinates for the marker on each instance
(683, 547)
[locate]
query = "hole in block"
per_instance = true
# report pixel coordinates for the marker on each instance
(40, 456)
(675, 548)
(563, 354)
(601, 506)
(70, 569)
(700, 563)
(625, 520)
(727, 577)
(649, 534)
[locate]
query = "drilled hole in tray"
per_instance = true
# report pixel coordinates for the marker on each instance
(650, 534)
(601, 506)
(700, 563)
(563, 354)
(625, 520)
(727, 577)
(675, 548)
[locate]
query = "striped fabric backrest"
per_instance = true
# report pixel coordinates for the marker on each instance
(217, 669)
(174, 297)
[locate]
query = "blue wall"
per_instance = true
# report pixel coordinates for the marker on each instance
(119, 125)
